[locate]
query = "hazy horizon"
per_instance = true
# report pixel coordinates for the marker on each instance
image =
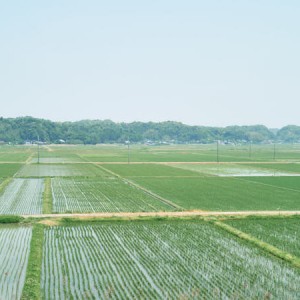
(208, 63)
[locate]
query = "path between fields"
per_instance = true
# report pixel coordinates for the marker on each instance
(164, 214)
(157, 162)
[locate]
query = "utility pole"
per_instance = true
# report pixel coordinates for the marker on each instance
(38, 149)
(274, 151)
(250, 149)
(128, 142)
(217, 150)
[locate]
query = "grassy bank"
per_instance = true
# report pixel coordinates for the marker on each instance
(32, 287)
(48, 199)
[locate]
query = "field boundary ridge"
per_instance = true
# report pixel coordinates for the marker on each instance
(169, 214)
(32, 285)
(48, 198)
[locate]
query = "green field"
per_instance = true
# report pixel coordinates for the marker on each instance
(9, 170)
(153, 257)
(221, 193)
(281, 233)
(161, 156)
(62, 170)
(61, 156)
(293, 168)
(159, 153)
(232, 170)
(14, 157)
(148, 170)
(191, 153)
(266, 186)
(159, 261)
(101, 195)
(288, 183)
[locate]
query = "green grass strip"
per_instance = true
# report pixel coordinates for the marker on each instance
(6, 219)
(48, 199)
(294, 260)
(279, 216)
(32, 286)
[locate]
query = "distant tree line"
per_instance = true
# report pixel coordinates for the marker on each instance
(19, 130)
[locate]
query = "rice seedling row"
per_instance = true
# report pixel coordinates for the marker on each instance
(159, 261)
(23, 196)
(101, 195)
(55, 160)
(14, 251)
(61, 170)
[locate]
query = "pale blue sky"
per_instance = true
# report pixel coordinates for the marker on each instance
(214, 63)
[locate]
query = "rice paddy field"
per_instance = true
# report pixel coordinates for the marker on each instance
(285, 183)
(11, 153)
(93, 225)
(61, 170)
(9, 170)
(14, 253)
(222, 193)
(159, 261)
(22, 196)
(292, 168)
(192, 153)
(150, 170)
(101, 195)
(238, 170)
(15, 156)
(281, 233)
(47, 156)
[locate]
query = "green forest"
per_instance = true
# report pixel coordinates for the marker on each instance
(22, 129)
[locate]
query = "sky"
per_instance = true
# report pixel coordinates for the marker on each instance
(211, 63)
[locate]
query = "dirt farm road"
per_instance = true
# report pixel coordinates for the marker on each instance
(164, 214)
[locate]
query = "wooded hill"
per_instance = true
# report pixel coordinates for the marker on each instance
(19, 130)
